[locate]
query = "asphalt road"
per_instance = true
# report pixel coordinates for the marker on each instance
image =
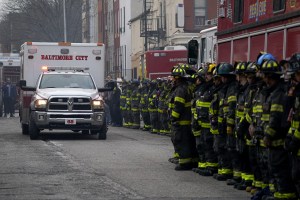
(130, 164)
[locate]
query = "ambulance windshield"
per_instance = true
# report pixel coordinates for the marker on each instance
(66, 81)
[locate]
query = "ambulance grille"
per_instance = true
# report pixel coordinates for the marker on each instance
(69, 104)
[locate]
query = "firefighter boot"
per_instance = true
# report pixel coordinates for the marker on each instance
(183, 167)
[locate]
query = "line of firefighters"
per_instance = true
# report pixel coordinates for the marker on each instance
(239, 124)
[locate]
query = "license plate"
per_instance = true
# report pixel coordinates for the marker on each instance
(70, 121)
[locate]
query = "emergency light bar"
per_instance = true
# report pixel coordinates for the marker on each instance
(62, 68)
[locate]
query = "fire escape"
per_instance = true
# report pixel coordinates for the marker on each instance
(151, 28)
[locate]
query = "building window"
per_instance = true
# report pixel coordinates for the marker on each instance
(278, 5)
(200, 13)
(238, 10)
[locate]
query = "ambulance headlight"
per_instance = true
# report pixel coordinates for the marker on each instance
(40, 103)
(98, 105)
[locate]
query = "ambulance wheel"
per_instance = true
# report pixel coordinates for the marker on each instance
(33, 130)
(25, 130)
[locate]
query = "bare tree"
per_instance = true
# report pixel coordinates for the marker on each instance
(40, 20)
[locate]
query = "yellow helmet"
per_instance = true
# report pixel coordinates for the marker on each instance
(211, 67)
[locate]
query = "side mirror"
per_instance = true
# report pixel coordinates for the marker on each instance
(22, 83)
(23, 86)
(193, 47)
(105, 89)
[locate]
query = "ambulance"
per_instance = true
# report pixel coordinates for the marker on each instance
(61, 85)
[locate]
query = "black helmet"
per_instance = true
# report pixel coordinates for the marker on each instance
(179, 72)
(294, 66)
(271, 66)
(251, 68)
(225, 69)
(241, 67)
(135, 82)
(188, 69)
(295, 57)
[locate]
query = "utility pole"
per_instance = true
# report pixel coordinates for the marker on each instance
(146, 30)
(146, 39)
(65, 21)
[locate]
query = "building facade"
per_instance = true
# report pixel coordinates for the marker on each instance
(247, 27)
(129, 28)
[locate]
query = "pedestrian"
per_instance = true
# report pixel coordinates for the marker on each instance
(116, 118)
(9, 94)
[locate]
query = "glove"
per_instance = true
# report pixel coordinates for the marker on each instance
(291, 144)
(267, 141)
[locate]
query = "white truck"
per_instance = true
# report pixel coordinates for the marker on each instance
(59, 88)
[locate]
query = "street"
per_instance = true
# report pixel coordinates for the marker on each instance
(130, 164)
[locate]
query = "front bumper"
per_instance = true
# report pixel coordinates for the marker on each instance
(57, 120)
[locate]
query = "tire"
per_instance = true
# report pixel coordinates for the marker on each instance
(85, 132)
(101, 134)
(25, 129)
(33, 130)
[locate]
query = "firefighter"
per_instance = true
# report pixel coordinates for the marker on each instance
(153, 102)
(223, 141)
(198, 80)
(272, 99)
(122, 101)
(144, 104)
(183, 140)
(127, 115)
(262, 172)
(160, 101)
(209, 163)
(242, 178)
(250, 169)
(292, 141)
(135, 104)
(163, 107)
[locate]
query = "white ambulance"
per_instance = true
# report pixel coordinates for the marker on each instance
(60, 88)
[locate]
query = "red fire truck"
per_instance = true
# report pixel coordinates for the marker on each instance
(158, 63)
(245, 29)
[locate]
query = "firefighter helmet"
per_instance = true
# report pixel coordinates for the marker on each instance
(271, 66)
(135, 82)
(210, 68)
(251, 68)
(225, 69)
(179, 72)
(201, 74)
(263, 56)
(294, 66)
(241, 67)
(188, 69)
(295, 57)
